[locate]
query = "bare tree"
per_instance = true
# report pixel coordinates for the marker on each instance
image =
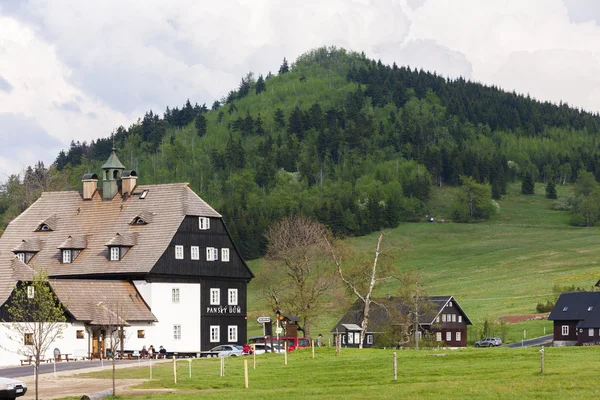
(297, 254)
(37, 319)
(114, 324)
(360, 279)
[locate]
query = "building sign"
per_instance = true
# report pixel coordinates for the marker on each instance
(224, 310)
(263, 320)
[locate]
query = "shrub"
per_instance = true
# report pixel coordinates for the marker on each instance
(544, 308)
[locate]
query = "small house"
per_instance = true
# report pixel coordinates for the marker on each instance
(576, 317)
(441, 315)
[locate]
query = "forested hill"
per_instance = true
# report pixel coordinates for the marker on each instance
(356, 143)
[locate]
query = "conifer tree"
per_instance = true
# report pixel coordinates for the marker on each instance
(260, 85)
(284, 67)
(201, 125)
(527, 185)
(551, 190)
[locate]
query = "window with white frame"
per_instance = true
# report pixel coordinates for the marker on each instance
(565, 330)
(203, 223)
(449, 304)
(453, 317)
(30, 292)
(21, 257)
(114, 253)
(460, 318)
(215, 296)
(357, 337)
(443, 317)
(177, 332)
(195, 250)
(212, 254)
(437, 319)
(179, 252)
(369, 339)
(225, 254)
(458, 336)
(233, 297)
(215, 333)
(448, 336)
(438, 336)
(175, 295)
(591, 332)
(66, 256)
(350, 338)
(232, 333)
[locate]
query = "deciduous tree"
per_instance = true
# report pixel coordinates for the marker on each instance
(297, 254)
(36, 319)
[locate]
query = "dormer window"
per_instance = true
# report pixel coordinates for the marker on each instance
(140, 221)
(115, 253)
(204, 223)
(44, 228)
(67, 256)
(21, 257)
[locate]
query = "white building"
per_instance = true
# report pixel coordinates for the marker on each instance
(157, 256)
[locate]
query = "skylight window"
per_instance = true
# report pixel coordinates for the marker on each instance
(565, 308)
(590, 308)
(144, 194)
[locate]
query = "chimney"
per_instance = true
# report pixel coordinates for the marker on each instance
(128, 182)
(90, 184)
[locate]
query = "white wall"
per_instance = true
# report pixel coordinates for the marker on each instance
(185, 313)
(67, 344)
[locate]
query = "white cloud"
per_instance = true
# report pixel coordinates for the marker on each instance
(79, 69)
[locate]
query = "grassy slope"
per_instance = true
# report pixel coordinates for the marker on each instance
(501, 267)
(473, 373)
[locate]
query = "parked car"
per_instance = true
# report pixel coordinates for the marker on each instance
(11, 388)
(224, 350)
(292, 342)
(261, 348)
(489, 342)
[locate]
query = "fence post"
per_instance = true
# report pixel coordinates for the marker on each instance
(285, 344)
(174, 370)
(150, 370)
(395, 367)
(190, 361)
(254, 353)
(222, 366)
(246, 373)
(312, 343)
(542, 358)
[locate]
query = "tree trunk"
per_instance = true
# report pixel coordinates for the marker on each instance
(37, 375)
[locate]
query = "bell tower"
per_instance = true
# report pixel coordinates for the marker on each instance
(111, 174)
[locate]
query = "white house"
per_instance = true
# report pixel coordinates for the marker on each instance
(157, 256)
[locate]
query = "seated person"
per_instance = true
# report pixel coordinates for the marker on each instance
(144, 352)
(163, 352)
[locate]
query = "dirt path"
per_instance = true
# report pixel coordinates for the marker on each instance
(66, 384)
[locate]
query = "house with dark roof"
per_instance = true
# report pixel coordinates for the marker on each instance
(440, 315)
(576, 317)
(158, 253)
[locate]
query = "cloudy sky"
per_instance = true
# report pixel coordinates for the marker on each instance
(76, 70)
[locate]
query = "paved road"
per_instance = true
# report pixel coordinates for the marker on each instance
(15, 372)
(540, 341)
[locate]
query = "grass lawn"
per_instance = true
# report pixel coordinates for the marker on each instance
(496, 268)
(368, 373)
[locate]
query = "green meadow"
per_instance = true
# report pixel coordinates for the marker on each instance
(497, 268)
(368, 373)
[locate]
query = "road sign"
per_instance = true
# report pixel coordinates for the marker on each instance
(279, 330)
(263, 320)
